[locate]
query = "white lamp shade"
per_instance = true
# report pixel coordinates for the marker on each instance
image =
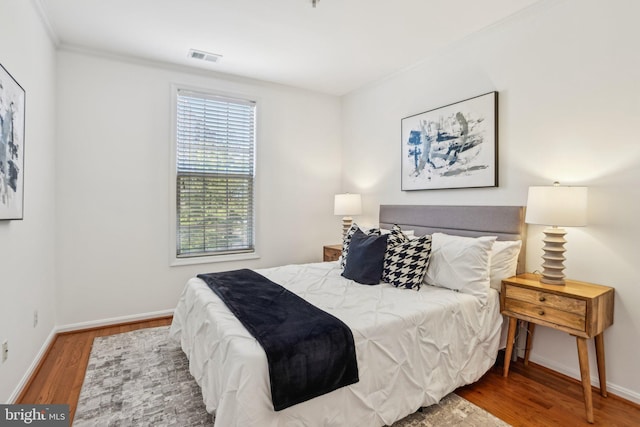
(557, 206)
(347, 204)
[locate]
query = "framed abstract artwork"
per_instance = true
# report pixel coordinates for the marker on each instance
(12, 116)
(455, 146)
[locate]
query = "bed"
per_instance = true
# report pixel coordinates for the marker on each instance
(413, 347)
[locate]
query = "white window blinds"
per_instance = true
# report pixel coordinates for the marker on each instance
(215, 145)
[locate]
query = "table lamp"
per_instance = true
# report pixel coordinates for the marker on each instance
(347, 205)
(556, 206)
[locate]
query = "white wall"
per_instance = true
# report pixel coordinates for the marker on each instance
(112, 187)
(27, 272)
(569, 100)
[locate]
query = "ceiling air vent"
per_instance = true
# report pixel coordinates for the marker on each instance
(205, 56)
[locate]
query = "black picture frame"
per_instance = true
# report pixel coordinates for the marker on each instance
(454, 146)
(12, 134)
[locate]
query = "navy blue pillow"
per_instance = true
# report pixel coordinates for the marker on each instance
(365, 258)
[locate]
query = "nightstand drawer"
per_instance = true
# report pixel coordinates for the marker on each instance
(546, 314)
(331, 252)
(548, 300)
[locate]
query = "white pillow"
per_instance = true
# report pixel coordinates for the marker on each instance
(504, 261)
(460, 263)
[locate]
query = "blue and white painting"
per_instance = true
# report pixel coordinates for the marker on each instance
(451, 147)
(12, 100)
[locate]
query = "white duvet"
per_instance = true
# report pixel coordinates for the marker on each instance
(412, 348)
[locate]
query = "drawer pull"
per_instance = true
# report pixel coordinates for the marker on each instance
(542, 299)
(541, 312)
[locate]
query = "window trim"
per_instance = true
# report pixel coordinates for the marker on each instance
(174, 260)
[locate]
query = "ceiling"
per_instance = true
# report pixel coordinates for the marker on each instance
(336, 47)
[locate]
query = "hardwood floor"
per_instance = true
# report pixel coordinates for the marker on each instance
(531, 396)
(60, 375)
(538, 397)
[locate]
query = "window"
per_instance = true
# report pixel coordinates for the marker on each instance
(215, 145)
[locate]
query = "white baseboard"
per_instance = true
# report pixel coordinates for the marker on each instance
(112, 321)
(74, 327)
(572, 372)
(27, 375)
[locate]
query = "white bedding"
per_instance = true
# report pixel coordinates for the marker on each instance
(413, 348)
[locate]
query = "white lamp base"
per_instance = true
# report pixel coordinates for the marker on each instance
(553, 257)
(346, 225)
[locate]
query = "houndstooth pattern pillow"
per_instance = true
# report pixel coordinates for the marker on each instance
(347, 240)
(405, 264)
(396, 236)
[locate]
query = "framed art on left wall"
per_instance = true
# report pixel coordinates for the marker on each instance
(12, 117)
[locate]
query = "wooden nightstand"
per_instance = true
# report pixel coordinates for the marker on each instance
(581, 309)
(331, 252)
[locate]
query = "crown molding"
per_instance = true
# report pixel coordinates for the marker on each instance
(44, 18)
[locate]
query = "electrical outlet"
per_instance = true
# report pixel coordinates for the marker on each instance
(5, 351)
(35, 318)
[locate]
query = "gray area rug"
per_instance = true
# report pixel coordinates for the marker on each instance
(141, 378)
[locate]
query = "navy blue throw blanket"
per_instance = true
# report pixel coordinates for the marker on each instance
(309, 351)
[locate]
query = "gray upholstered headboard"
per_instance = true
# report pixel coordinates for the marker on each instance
(506, 222)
